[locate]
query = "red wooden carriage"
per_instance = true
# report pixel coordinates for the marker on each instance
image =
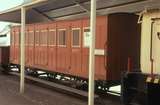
(63, 46)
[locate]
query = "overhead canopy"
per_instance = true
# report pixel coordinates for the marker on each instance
(51, 10)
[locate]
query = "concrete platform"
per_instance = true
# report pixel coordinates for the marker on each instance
(35, 95)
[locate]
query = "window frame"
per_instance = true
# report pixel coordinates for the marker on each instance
(26, 38)
(17, 41)
(37, 44)
(52, 30)
(83, 36)
(63, 29)
(12, 38)
(79, 44)
(45, 30)
(31, 31)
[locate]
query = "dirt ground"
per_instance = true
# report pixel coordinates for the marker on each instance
(35, 95)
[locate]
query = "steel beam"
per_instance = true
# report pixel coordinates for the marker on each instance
(82, 6)
(91, 53)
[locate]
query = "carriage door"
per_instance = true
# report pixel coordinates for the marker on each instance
(63, 47)
(76, 50)
(156, 46)
(36, 44)
(17, 43)
(12, 48)
(43, 45)
(30, 45)
(26, 46)
(52, 47)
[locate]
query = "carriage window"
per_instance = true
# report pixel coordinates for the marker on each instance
(17, 38)
(52, 37)
(12, 38)
(62, 37)
(30, 37)
(43, 37)
(37, 37)
(87, 37)
(75, 37)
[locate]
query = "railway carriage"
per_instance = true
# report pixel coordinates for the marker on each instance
(62, 47)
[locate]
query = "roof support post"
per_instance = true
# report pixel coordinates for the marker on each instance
(22, 45)
(91, 53)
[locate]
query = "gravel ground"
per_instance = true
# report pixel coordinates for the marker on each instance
(35, 95)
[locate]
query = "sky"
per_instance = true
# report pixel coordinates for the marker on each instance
(7, 4)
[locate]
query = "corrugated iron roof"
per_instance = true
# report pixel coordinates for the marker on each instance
(68, 9)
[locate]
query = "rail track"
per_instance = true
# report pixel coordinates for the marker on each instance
(81, 94)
